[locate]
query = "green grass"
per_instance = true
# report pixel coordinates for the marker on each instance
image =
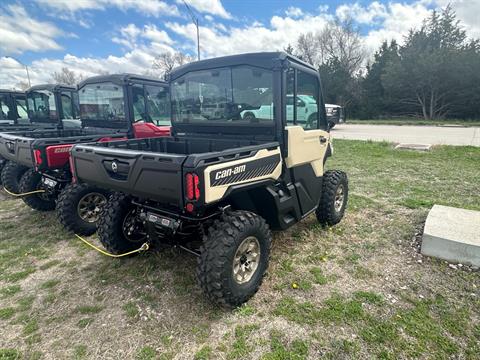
(446, 175)
(49, 284)
(89, 309)
(10, 354)
(146, 353)
(19, 275)
(80, 352)
(241, 347)
(83, 323)
(359, 294)
(418, 122)
(9, 291)
(6, 313)
(131, 310)
(205, 353)
(297, 350)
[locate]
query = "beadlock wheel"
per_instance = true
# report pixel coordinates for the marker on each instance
(245, 261)
(90, 207)
(339, 198)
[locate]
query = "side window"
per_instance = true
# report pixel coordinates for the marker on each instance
(308, 90)
(67, 107)
(290, 110)
(76, 105)
(158, 104)
(4, 109)
(52, 107)
(31, 107)
(21, 104)
(139, 111)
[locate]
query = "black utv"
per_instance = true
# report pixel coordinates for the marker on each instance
(42, 107)
(222, 178)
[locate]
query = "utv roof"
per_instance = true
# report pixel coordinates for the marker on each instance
(332, 105)
(51, 87)
(121, 79)
(5, 91)
(267, 60)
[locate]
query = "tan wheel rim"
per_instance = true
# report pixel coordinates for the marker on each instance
(339, 197)
(246, 260)
(90, 206)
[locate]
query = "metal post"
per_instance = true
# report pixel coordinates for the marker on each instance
(195, 22)
(28, 76)
(198, 40)
(26, 68)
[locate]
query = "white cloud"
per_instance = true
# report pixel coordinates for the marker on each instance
(397, 20)
(256, 37)
(294, 12)
(147, 7)
(362, 15)
(20, 32)
(213, 7)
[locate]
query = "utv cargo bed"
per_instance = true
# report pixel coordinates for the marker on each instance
(152, 168)
(17, 146)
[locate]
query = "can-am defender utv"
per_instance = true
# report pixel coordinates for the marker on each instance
(15, 116)
(112, 107)
(220, 177)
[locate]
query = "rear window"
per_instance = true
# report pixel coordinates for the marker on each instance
(102, 102)
(238, 95)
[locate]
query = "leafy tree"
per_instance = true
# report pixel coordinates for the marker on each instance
(375, 101)
(426, 76)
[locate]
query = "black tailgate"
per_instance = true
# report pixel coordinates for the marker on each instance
(155, 176)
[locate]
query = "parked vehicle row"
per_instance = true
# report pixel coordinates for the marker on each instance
(238, 158)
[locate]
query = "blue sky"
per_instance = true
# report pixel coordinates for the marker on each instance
(94, 36)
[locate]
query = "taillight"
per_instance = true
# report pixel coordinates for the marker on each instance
(192, 186)
(38, 157)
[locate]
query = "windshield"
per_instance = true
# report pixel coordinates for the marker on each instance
(103, 101)
(41, 105)
(240, 94)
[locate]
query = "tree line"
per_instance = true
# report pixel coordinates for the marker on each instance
(434, 74)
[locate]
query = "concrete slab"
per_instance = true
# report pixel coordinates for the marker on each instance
(418, 147)
(452, 234)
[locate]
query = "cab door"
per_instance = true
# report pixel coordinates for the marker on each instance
(307, 141)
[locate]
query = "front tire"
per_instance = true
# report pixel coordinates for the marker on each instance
(119, 228)
(234, 258)
(334, 198)
(32, 181)
(11, 176)
(79, 207)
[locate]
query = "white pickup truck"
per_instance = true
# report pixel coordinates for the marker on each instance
(306, 110)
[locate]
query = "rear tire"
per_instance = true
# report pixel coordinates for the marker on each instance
(334, 198)
(117, 229)
(32, 181)
(79, 207)
(236, 237)
(11, 175)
